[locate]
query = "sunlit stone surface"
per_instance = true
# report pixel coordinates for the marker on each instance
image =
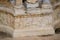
(33, 26)
(30, 21)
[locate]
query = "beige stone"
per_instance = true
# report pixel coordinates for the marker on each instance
(19, 22)
(30, 26)
(27, 25)
(6, 19)
(18, 2)
(31, 1)
(32, 22)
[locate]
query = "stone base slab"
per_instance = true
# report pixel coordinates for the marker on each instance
(27, 32)
(33, 32)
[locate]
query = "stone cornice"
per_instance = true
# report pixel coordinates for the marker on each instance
(12, 12)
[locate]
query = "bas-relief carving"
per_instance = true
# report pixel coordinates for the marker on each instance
(27, 23)
(6, 19)
(33, 22)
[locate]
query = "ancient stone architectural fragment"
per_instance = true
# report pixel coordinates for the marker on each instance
(6, 22)
(30, 26)
(31, 21)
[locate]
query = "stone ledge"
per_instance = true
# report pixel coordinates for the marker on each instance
(9, 10)
(40, 31)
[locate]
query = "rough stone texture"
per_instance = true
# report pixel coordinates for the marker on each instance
(6, 22)
(31, 1)
(26, 24)
(53, 37)
(57, 17)
(32, 22)
(6, 19)
(18, 2)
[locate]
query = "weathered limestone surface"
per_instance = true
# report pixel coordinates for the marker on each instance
(33, 21)
(31, 1)
(19, 10)
(26, 22)
(57, 17)
(6, 19)
(26, 25)
(18, 2)
(29, 26)
(6, 22)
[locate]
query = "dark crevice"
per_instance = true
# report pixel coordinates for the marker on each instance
(57, 31)
(23, 1)
(4, 35)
